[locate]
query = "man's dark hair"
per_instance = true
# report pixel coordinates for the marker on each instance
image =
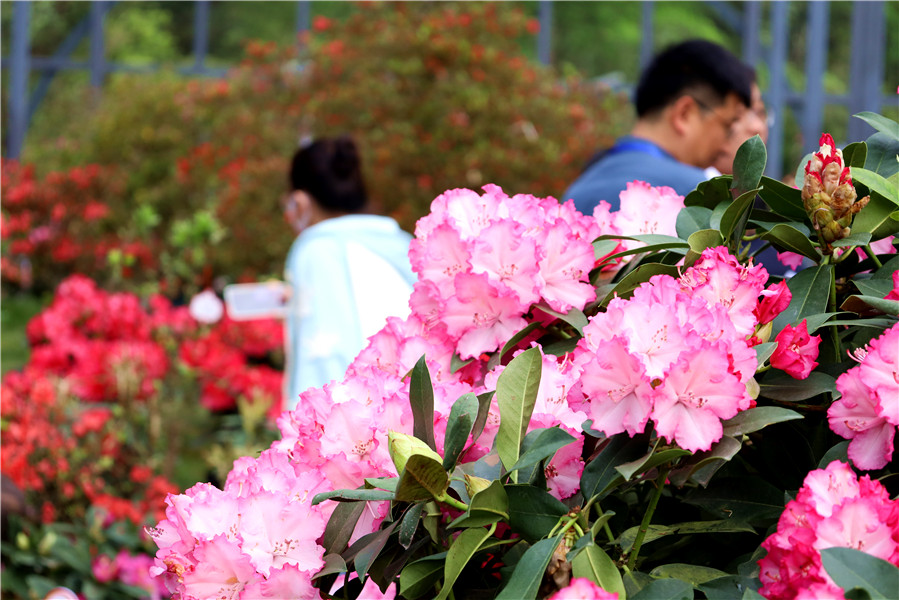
(692, 65)
(330, 171)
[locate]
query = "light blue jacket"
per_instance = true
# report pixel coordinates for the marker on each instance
(348, 274)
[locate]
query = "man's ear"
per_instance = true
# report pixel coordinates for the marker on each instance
(681, 113)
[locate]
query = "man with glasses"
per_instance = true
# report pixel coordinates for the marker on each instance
(688, 101)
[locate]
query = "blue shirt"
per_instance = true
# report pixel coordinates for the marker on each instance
(629, 160)
(348, 274)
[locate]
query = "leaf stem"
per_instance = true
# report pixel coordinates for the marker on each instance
(447, 499)
(647, 517)
(873, 256)
(832, 307)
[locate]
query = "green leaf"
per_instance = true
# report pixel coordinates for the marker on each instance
(383, 483)
(855, 239)
(341, 526)
(783, 199)
(525, 580)
(352, 495)
(460, 552)
(665, 589)
(780, 386)
(599, 475)
(764, 351)
(691, 219)
(710, 193)
(880, 218)
(369, 547)
(882, 151)
(851, 568)
(874, 287)
(533, 512)
(516, 339)
(334, 563)
(457, 363)
(603, 247)
(703, 465)
(649, 461)
(880, 123)
(421, 398)
(864, 304)
(516, 393)
(641, 274)
(655, 532)
(839, 452)
(746, 499)
(488, 506)
(749, 165)
(594, 564)
(815, 322)
(800, 170)
(810, 288)
(729, 587)
(854, 154)
(574, 317)
(789, 238)
(419, 577)
(692, 574)
(699, 241)
(876, 183)
(546, 442)
(484, 401)
(758, 418)
(409, 525)
(422, 479)
(736, 214)
(718, 213)
(458, 427)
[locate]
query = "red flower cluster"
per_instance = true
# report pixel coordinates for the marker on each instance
(56, 224)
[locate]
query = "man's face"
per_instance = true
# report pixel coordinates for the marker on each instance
(711, 127)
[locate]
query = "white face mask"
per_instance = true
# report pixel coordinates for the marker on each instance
(296, 213)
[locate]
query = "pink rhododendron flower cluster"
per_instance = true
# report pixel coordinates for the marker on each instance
(583, 589)
(131, 570)
(868, 411)
(645, 209)
(834, 508)
(675, 353)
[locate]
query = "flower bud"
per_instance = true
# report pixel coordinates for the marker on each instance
(402, 446)
(828, 195)
(473, 485)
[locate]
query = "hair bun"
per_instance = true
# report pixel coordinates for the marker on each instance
(346, 157)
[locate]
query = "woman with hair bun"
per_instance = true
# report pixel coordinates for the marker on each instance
(349, 271)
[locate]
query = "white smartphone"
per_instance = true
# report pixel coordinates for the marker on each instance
(266, 300)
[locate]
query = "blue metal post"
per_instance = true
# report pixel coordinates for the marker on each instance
(97, 45)
(812, 115)
(752, 26)
(646, 44)
(545, 37)
(201, 34)
(777, 93)
(304, 18)
(865, 64)
(17, 102)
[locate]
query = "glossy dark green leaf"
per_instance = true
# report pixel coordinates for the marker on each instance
(574, 317)
(525, 580)
(764, 351)
(599, 475)
(641, 274)
(457, 363)
(710, 193)
(838, 452)
(863, 305)
(370, 548)
(533, 512)
(874, 287)
(780, 386)
(514, 341)
(744, 499)
(815, 322)
(422, 479)
(758, 418)
(460, 552)
(876, 183)
(733, 221)
(855, 239)
(421, 398)
(786, 237)
(692, 574)
(882, 151)
(749, 165)
(352, 495)
(488, 506)
(729, 587)
(680, 244)
(700, 467)
(418, 578)
(334, 563)
(854, 154)
(810, 288)
(594, 564)
(458, 427)
(341, 526)
(851, 568)
(665, 589)
(699, 241)
(783, 199)
(718, 213)
(656, 532)
(880, 123)
(409, 525)
(516, 394)
(800, 170)
(649, 461)
(879, 218)
(603, 247)
(383, 483)
(691, 219)
(484, 401)
(544, 445)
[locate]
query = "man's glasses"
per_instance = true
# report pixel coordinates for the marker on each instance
(728, 124)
